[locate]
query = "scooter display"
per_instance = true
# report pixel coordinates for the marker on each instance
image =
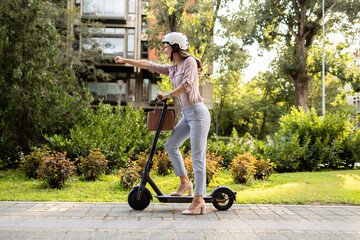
(139, 197)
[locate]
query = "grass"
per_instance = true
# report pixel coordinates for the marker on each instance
(330, 187)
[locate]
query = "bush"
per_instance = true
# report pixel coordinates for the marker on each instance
(350, 153)
(129, 175)
(308, 142)
(120, 133)
(230, 147)
(31, 162)
(243, 168)
(93, 165)
(213, 166)
(55, 168)
(264, 168)
(163, 163)
(141, 160)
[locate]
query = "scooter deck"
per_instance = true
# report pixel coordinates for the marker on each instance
(181, 199)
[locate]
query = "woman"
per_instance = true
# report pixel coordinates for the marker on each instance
(184, 75)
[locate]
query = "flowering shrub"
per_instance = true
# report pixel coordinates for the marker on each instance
(31, 162)
(213, 166)
(264, 168)
(93, 165)
(129, 175)
(243, 168)
(55, 168)
(163, 162)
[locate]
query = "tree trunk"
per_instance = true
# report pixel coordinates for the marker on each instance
(302, 89)
(262, 128)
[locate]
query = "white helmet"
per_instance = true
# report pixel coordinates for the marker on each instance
(176, 38)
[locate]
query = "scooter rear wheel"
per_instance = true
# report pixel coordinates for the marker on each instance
(223, 199)
(138, 204)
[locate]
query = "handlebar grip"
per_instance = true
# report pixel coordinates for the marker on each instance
(159, 97)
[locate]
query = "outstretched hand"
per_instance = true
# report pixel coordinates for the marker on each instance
(119, 59)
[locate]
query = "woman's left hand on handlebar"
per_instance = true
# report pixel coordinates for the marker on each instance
(163, 96)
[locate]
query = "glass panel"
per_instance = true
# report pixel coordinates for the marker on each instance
(144, 24)
(144, 50)
(93, 7)
(154, 90)
(132, 83)
(131, 6)
(93, 89)
(131, 43)
(102, 89)
(145, 92)
(92, 44)
(110, 30)
(120, 30)
(121, 84)
(113, 91)
(114, 8)
(114, 46)
(131, 30)
(96, 30)
(130, 55)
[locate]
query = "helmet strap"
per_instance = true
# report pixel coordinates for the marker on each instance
(172, 53)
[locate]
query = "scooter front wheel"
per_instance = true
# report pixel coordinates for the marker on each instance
(142, 202)
(223, 199)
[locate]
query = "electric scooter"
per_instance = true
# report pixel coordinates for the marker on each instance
(139, 197)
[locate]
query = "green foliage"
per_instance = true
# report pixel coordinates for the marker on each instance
(272, 28)
(120, 133)
(163, 163)
(213, 166)
(93, 165)
(38, 94)
(307, 142)
(31, 162)
(243, 168)
(235, 145)
(264, 168)
(350, 152)
(129, 175)
(55, 168)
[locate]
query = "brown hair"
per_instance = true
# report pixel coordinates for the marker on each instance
(184, 54)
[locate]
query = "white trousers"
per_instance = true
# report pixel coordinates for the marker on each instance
(194, 124)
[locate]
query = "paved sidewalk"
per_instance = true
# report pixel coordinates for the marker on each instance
(69, 220)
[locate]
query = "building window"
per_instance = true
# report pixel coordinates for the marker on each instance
(110, 8)
(111, 41)
(107, 91)
(132, 90)
(131, 9)
(144, 50)
(114, 46)
(144, 24)
(154, 90)
(131, 43)
(145, 90)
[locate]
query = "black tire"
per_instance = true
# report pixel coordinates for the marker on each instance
(138, 204)
(223, 199)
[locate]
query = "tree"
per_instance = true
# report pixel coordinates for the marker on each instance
(38, 95)
(196, 19)
(295, 25)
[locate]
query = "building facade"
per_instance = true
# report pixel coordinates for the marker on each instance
(123, 33)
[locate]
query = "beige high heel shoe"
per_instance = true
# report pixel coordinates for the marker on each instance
(182, 190)
(201, 207)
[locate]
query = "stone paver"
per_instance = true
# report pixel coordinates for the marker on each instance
(64, 220)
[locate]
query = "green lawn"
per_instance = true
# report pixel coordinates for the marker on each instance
(332, 187)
